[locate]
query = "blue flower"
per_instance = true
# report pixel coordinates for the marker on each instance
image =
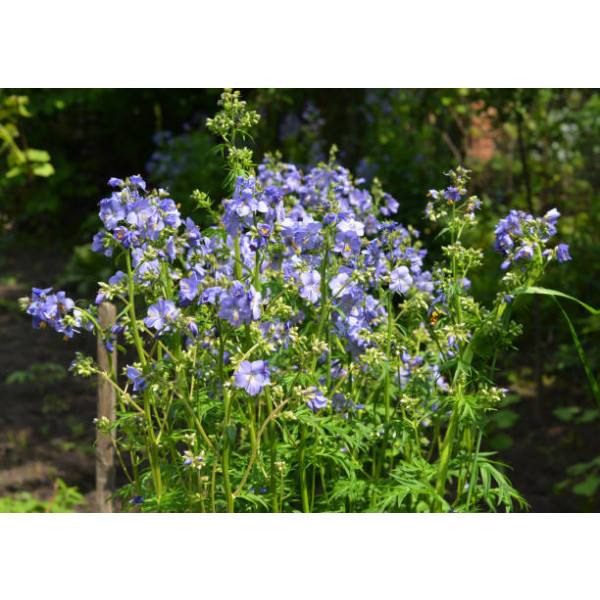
(170, 250)
(236, 310)
(424, 282)
(349, 223)
(101, 243)
(211, 295)
(311, 282)
(117, 278)
(188, 288)
(136, 377)
(452, 194)
(197, 461)
(308, 237)
(508, 229)
(347, 243)
(552, 216)
(193, 327)
(38, 294)
(562, 253)
(252, 376)
(169, 212)
(138, 181)
(265, 230)
(400, 280)
(238, 305)
(391, 207)
(126, 237)
(316, 400)
(161, 314)
(341, 403)
(194, 234)
(50, 310)
(525, 251)
(146, 219)
(111, 211)
(339, 283)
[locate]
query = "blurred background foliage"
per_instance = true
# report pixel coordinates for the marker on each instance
(529, 149)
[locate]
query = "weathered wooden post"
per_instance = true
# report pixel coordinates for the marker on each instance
(105, 456)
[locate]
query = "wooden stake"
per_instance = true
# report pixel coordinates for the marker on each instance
(105, 457)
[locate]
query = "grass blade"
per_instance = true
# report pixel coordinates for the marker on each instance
(579, 348)
(547, 292)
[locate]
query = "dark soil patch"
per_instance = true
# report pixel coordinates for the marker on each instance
(545, 447)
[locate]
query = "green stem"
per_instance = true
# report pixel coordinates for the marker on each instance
(272, 443)
(446, 453)
(388, 350)
(386, 391)
(152, 445)
(238, 258)
(136, 333)
(136, 473)
(226, 451)
(467, 442)
(255, 451)
(153, 450)
(474, 471)
(302, 468)
(257, 263)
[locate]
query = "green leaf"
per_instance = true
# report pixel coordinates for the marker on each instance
(546, 292)
(15, 171)
(588, 486)
(485, 479)
(441, 233)
(579, 469)
(21, 102)
(44, 170)
(502, 441)
(37, 155)
(579, 348)
(231, 434)
(19, 377)
(566, 413)
(505, 418)
(561, 487)
(589, 415)
(511, 399)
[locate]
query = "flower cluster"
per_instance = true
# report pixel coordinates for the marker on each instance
(520, 236)
(453, 200)
(135, 220)
(307, 294)
(319, 234)
(53, 310)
